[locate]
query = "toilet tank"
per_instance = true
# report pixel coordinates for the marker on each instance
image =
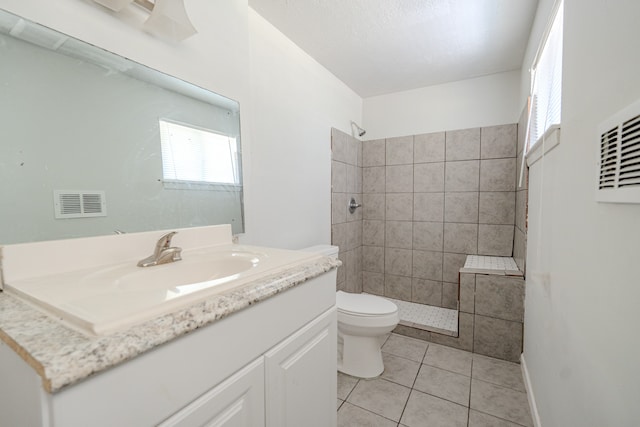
(326, 250)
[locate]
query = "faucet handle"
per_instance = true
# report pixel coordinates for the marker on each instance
(164, 241)
(163, 253)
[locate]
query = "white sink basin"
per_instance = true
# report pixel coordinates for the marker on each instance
(179, 277)
(103, 300)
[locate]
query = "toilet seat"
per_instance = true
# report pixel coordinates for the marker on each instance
(348, 321)
(363, 305)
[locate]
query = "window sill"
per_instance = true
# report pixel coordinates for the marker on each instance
(200, 186)
(548, 141)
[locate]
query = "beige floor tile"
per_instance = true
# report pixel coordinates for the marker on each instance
(450, 359)
(500, 402)
(399, 370)
(346, 383)
(353, 416)
(409, 348)
(381, 397)
(445, 384)
(478, 419)
(426, 410)
(496, 371)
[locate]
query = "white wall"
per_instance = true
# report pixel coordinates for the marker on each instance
(482, 101)
(294, 104)
(581, 321)
(288, 102)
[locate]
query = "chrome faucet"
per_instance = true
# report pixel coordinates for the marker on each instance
(163, 253)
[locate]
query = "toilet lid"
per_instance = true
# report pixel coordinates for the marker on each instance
(363, 304)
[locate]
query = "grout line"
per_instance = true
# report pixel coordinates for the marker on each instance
(400, 357)
(441, 398)
(406, 402)
(374, 413)
(423, 356)
(470, 383)
(500, 418)
(501, 386)
(447, 370)
(353, 388)
(469, 406)
(444, 209)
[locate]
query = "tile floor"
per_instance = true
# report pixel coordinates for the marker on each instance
(427, 384)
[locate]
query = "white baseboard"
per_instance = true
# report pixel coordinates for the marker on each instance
(532, 399)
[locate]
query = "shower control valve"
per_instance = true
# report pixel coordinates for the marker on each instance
(353, 205)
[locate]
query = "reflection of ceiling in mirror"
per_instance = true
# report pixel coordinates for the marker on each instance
(47, 38)
(81, 125)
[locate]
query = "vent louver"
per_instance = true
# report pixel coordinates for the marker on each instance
(630, 153)
(79, 204)
(608, 158)
(619, 157)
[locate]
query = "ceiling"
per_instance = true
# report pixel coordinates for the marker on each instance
(385, 46)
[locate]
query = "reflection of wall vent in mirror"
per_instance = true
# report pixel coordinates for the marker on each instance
(619, 157)
(79, 204)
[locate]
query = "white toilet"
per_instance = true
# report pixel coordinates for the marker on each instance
(362, 321)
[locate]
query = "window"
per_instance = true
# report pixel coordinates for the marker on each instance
(193, 157)
(546, 83)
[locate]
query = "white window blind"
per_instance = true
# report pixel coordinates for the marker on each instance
(546, 82)
(195, 155)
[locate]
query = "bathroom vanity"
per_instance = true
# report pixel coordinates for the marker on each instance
(261, 353)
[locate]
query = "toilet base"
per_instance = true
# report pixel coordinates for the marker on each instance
(361, 356)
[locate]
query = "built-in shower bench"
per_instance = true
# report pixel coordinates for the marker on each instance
(491, 310)
(492, 292)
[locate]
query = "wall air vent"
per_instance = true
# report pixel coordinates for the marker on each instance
(79, 204)
(619, 157)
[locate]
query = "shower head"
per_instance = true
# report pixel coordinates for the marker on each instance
(360, 131)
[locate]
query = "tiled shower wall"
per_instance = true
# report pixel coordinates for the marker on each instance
(346, 227)
(520, 237)
(429, 200)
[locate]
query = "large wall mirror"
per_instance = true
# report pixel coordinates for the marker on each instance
(93, 143)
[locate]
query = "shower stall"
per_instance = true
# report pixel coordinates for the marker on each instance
(428, 201)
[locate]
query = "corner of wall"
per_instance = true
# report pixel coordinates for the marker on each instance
(522, 194)
(346, 226)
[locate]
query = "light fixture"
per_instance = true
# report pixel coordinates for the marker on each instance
(168, 20)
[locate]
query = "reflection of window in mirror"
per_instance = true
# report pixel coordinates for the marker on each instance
(197, 157)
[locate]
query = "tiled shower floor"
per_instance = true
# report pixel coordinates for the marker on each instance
(427, 317)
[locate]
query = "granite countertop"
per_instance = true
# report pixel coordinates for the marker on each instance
(63, 356)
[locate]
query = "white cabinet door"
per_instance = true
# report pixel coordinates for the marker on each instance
(301, 376)
(236, 402)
